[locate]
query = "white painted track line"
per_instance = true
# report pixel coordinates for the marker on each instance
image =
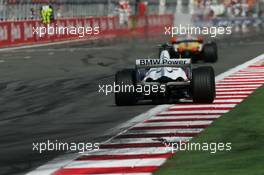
(164, 117)
(234, 93)
(175, 123)
(190, 130)
(218, 89)
(195, 112)
(179, 106)
(116, 163)
(130, 151)
(240, 86)
(151, 140)
(229, 100)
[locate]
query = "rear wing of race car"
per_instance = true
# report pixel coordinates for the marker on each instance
(152, 63)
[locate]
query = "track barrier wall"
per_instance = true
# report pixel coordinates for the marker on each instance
(15, 33)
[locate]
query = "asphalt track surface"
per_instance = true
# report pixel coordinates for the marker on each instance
(51, 93)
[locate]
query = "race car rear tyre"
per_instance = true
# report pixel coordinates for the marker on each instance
(210, 52)
(203, 85)
(127, 79)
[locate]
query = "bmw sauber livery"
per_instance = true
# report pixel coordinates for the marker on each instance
(177, 76)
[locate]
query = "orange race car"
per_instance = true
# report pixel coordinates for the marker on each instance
(195, 48)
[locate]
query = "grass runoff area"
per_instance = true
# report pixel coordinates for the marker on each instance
(244, 128)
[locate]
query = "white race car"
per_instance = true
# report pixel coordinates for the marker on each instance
(164, 79)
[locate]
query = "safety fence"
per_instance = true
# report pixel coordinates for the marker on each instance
(15, 33)
(17, 10)
(241, 26)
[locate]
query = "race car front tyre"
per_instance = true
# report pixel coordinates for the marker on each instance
(125, 81)
(210, 52)
(203, 85)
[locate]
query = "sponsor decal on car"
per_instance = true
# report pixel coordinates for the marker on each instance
(158, 62)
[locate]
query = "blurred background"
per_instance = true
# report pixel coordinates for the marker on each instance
(242, 15)
(199, 9)
(18, 16)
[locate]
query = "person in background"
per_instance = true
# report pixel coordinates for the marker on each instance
(142, 9)
(51, 11)
(47, 14)
(124, 12)
(32, 13)
(2, 13)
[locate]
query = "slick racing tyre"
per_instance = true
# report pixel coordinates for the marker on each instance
(126, 80)
(210, 52)
(203, 85)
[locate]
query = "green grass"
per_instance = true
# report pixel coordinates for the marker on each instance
(244, 128)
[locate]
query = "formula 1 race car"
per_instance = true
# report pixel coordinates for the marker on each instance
(164, 79)
(191, 47)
